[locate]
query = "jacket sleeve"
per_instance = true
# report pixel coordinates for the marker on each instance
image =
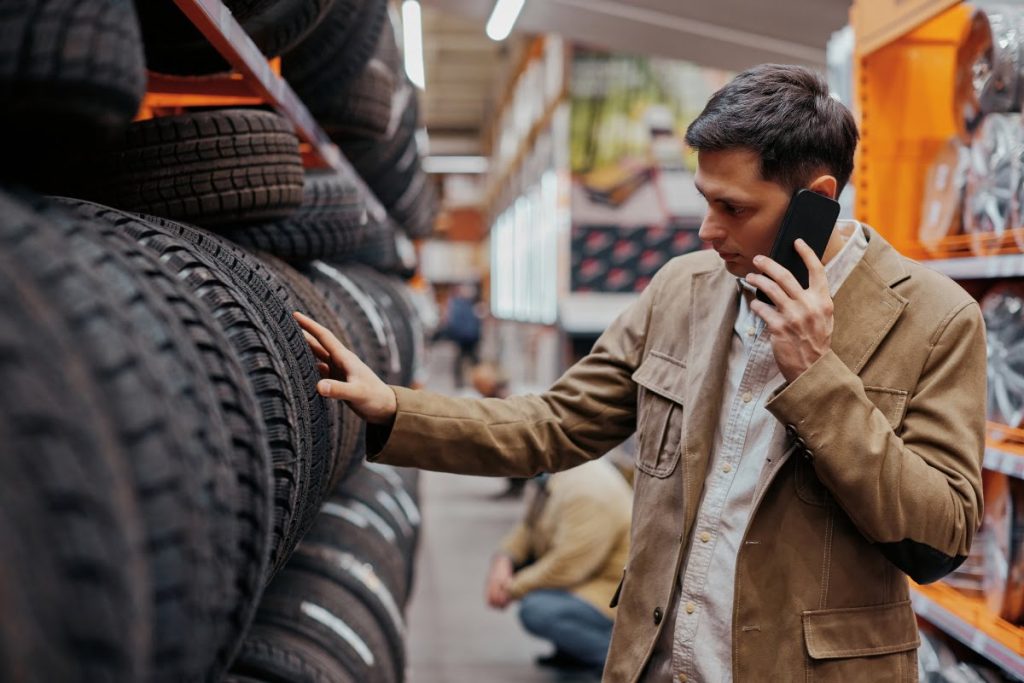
(517, 545)
(579, 549)
(589, 410)
(916, 494)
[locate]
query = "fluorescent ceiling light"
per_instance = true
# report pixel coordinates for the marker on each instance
(503, 18)
(412, 32)
(455, 164)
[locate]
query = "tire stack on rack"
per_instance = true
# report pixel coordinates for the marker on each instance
(166, 448)
(357, 88)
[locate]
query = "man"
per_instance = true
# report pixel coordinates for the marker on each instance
(795, 461)
(564, 560)
(462, 326)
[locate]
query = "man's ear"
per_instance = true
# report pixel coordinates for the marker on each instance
(826, 185)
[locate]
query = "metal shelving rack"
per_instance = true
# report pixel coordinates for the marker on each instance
(254, 81)
(979, 267)
(970, 622)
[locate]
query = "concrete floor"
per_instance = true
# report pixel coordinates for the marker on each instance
(453, 636)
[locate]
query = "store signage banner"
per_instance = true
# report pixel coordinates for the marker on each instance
(634, 205)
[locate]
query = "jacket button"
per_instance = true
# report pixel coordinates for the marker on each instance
(657, 616)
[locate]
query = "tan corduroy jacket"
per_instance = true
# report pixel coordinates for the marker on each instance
(884, 478)
(575, 535)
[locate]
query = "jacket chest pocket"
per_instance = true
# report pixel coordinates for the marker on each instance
(660, 381)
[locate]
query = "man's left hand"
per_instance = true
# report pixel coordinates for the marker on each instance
(801, 321)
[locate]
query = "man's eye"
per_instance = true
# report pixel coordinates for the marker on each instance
(734, 210)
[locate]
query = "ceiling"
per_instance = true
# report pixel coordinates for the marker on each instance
(465, 69)
(462, 72)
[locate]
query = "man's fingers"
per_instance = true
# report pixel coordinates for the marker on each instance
(817, 279)
(324, 369)
(771, 288)
(323, 335)
(318, 349)
(332, 388)
(773, 320)
(779, 274)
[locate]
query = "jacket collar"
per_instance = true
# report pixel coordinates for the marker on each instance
(866, 308)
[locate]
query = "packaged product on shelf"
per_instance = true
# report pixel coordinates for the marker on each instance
(1003, 309)
(942, 209)
(997, 538)
(1012, 608)
(988, 66)
(993, 175)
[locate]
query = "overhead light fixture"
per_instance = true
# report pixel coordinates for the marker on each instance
(456, 164)
(412, 33)
(503, 18)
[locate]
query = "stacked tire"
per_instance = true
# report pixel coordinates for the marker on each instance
(356, 87)
(168, 456)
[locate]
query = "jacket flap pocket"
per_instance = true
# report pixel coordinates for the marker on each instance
(662, 374)
(891, 402)
(860, 631)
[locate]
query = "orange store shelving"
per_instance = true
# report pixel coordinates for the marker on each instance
(905, 66)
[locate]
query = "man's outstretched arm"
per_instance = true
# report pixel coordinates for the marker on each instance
(590, 409)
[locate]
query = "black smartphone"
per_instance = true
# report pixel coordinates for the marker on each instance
(811, 217)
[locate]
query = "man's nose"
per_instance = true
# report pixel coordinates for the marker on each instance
(710, 230)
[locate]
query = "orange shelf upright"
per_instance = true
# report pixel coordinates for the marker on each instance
(905, 105)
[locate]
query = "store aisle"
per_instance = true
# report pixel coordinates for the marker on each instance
(454, 637)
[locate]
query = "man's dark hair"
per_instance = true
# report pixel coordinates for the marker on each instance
(786, 115)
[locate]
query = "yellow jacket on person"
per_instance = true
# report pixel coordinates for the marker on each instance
(575, 535)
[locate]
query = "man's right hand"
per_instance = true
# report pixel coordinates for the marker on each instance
(347, 378)
(497, 581)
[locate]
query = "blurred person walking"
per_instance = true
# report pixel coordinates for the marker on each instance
(462, 326)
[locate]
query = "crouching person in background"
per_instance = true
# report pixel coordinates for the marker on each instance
(564, 560)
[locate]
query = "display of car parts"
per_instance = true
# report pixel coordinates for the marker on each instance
(1003, 308)
(942, 208)
(988, 66)
(993, 177)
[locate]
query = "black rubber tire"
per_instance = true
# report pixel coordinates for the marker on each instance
(362, 107)
(346, 426)
(351, 526)
(211, 168)
(338, 50)
(385, 165)
(380, 250)
(272, 654)
(331, 222)
(70, 529)
(409, 476)
(72, 77)
(392, 504)
(416, 209)
(391, 300)
(234, 285)
(359, 316)
(316, 608)
(169, 423)
(352, 572)
(250, 447)
(175, 46)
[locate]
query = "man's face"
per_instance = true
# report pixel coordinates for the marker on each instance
(744, 210)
